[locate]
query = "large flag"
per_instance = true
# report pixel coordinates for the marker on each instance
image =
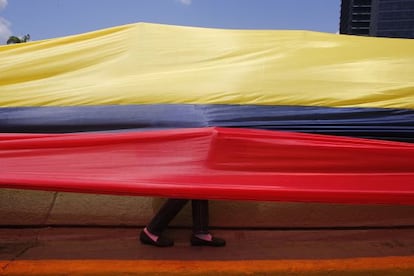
(210, 113)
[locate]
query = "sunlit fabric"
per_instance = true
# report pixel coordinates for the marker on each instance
(213, 163)
(266, 79)
(210, 113)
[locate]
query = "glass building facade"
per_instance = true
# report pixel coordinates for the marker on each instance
(385, 18)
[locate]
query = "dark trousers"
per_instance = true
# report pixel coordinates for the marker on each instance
(171, 208)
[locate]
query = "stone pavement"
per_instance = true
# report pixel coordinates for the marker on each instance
(294, 251)
(38, 237)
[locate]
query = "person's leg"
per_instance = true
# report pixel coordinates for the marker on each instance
(200, 216)
(201, 235)
(152, 233)
(165, 215)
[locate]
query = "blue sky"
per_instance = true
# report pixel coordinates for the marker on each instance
(44, 19)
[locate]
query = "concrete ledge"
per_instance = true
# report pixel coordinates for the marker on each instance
(23, 207)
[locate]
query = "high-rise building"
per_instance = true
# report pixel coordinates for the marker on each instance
(385, 18)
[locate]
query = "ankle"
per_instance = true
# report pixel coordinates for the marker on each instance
(151, 235)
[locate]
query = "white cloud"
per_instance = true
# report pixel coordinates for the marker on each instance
(184, 2)
(3, 4)
(5, 31)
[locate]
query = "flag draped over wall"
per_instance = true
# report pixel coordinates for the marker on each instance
(219, 163)
(196, 112)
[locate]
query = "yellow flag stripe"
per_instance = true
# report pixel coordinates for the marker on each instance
(156, 64)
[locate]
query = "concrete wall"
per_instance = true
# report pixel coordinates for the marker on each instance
(24, 207)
